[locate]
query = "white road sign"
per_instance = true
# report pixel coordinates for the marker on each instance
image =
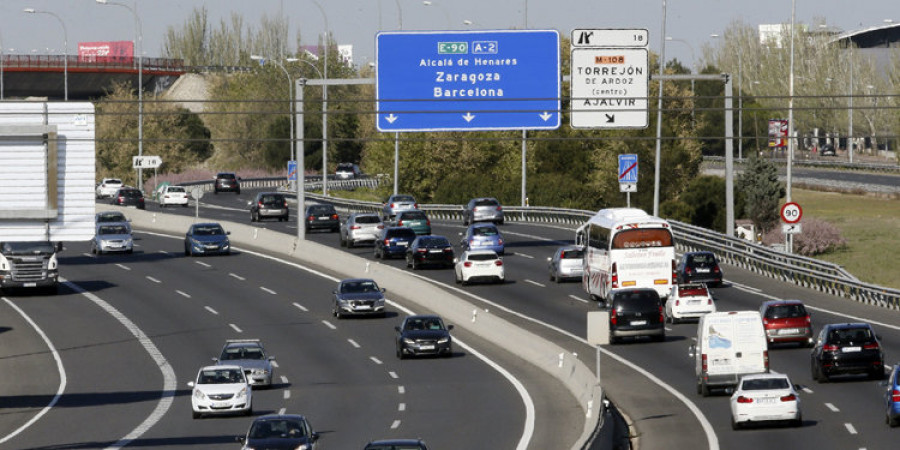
(610, 38)
(791, 228)
(146, 162)
(791, 213)
(610, 88)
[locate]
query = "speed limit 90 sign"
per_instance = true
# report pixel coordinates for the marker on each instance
(791, 213)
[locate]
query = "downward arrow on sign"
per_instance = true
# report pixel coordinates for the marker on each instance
(468, 117)
(610, 118)
(391, 118)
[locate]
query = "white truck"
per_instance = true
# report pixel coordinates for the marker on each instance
(729, 345)
(47, 157)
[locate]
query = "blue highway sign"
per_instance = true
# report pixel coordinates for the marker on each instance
(468, 80)
(292, 170)
(628, 168)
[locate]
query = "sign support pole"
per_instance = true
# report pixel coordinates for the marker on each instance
(524, 175)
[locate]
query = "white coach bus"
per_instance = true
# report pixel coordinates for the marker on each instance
(626, 248)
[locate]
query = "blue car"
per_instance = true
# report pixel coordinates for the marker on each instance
(206, 239)
(892, 397)
(393, 242)
(483, 236)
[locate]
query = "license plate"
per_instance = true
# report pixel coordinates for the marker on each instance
(702, 270)
(30, 284)
(426, 347)
(403, 244)
(324, 218)
(789, 331)
(720, 362)
(639, 322)
(435, 251)
(693, 302)
(766, 400)
(851, 349)
(366, 307)
(220, 404)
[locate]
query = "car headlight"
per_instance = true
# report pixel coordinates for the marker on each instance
(303, 447)
(195, 242)
(444, 340)
(242, 393)
(408, 341)
(260, 371)
(199, 394)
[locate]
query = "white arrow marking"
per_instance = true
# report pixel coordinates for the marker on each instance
(546, 116)
(468, 117)
(391, 118)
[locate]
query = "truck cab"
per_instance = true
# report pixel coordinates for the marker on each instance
(29, 265)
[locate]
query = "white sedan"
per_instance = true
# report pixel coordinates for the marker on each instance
(689, 301)
(765, 397)
(173, 195)
(108, 187)
(475, 265)
(221, 390)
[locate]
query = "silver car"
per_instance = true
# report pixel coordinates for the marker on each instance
(360, 228)
(252, 357)
(397, 203)
(112, 237)
(566, 263)
(358, 296)
(483, 209)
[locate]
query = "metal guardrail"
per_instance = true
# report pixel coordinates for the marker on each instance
(822, 164)
(806, 272)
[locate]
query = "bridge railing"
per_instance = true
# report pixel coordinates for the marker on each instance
(30, 62)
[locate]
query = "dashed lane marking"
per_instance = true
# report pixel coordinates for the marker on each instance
(183, 294)
(534, 283)
(235, 328)
(211, 310)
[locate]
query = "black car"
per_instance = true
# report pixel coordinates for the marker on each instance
(322, 216)
(699, 267)
(846, 348)
(227, 182)
(429, 250)
(269, 205)
(393, 242)
(129, 197)
(635, 312)
(828, 150)
(281, 431)
(423, 335)
(396, 444)
(358, 296)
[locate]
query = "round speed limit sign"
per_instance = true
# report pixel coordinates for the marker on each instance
(791, 213)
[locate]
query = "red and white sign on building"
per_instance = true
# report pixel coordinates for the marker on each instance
(111, 51)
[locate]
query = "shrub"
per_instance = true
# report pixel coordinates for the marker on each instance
(818, 237)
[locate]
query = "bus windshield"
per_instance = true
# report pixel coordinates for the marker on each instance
(642, 238)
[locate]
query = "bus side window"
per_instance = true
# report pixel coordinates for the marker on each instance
(599, 237)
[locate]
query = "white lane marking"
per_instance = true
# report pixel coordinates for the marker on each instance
(234, 275)
(329, 325)
(87, 254)
(211, 310)
(807, 390)
(265, 289)
(849, 427)
(183, 294)
(523, 255)
(534, 283)
(375, 360)
(59, 367)
(667, 328)
(203, 263)
(287, 394)
(575, 297)
(401, 407)
(274, 364)
(353, 343)
(832, 407)
(284, 380)
(282, 411)
(401, 390)
(301, 307)
(153, 279)
(168, 392)
(395, 425)
(123, 266)
(235, 328)
(393, 374)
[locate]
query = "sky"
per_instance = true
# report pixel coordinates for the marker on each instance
(688, 22)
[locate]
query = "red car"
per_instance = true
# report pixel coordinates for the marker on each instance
(786, 321)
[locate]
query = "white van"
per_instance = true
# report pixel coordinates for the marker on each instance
(729, 345)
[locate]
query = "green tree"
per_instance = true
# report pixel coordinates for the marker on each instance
(762, 192)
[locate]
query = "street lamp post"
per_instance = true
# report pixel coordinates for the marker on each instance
(325, 104)
(1, 67)
(65, 52)
(262, 60)
(140, 88)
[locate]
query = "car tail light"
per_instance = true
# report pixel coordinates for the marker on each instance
(766, 359)
(392, 205)
(709, 301)
(311, 217)
(765, 322)
(677, 302)
(871, 346)
(674, 272)
(614, 276)
(422, 250)
(498, 263)
(471, 242)
(448, 250)
(334, 216)
(895, 395)
(562, 255)
(742, 399)
(499, 208)
(662, 318)
(260, 203)
(415, 206)
(380, 227)
(613, 317)
(704, 362)
(499, 241)
(467, 264)
(354, 227)
(789, 398)
(399, 223)
(285, 204)
(428, 222)
(807, 320)
(716, 269)
(830, 348)
(387, 242)
(687, 270)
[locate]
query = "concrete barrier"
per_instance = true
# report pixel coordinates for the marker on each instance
(580, 381)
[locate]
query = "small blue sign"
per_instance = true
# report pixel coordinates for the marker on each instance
(628, 168)
(468, 80)
(292, 171)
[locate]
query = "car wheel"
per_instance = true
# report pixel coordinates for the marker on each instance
(249, 411)
(798, 422)
(612, 338)
(890, 421)
(196, 415)
(501, 280)
(343, 242)
(400, 354)
(129, 251)
(704, 389)
(876, 374)
(375, 253)
(187, 252)
(350, 243)
(735, 425)
(456, 278)
(415, 265)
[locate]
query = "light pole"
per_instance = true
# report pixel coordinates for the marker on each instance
(302, 146)
(65, 52)
(140, 88)
(325, 103)
(1, 67)
(262, 60)
(659, 112)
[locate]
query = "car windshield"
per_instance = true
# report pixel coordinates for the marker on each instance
(403, 198)
(643, 299)
(762, 384)
(221, 376)
(785, 311)
(175, 189)
(113, 229)
(572, 254)
(131, 193)
(277, 429)
(434, 242)
(485, 231)
(850, 336)
(358, 287)
(689, 291)
(113, 181)
(430, 323)
(702, 259)
(321, 210)
(403, 233)
(486, 202)
(482, 256)
(413, 215)
(367, 219)
(233, 353)
(271, 199)
(227, 176)
(111, 217)
(208, 230)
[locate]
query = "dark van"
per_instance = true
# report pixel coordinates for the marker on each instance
(635, 312)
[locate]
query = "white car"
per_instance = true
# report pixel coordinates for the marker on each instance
(689, 301)
(108, 187)
(112, 237)
(477, 265)
(221, 390)
(173, 195)
(765, 397)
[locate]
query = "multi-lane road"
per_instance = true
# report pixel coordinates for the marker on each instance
(343, 374)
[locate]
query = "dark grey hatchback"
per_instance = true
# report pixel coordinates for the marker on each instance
(424, 335)
(635, 312)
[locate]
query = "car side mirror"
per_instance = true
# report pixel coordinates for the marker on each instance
(455, 260)
(397, 328)
(215, 360)
(240, 439)
(190, 384)
(798, 388)
(692, 351)
(383, 290)
(315, 436)
(249, 202)
(449, 327)
(227, 232)
(334, 292)
(271, 358)
(549, 258)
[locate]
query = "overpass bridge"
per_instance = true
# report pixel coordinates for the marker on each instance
(23, 76)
